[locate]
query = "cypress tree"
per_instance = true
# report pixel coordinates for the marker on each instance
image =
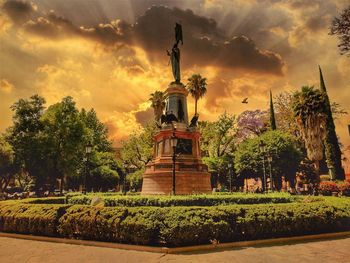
(272, 114)
(332, 148)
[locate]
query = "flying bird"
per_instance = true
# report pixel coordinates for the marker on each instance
(245, 101)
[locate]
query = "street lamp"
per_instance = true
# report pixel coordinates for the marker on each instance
(88, 150)
(230, 171)
(173, 143)
(262, 147)
(269, 159)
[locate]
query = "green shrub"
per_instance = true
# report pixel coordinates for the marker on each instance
(38, 219)
(124, 225)
(47, 200)
(193, 200)
(177, 226)
(189, 226)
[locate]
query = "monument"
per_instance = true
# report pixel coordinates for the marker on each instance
(176, 167)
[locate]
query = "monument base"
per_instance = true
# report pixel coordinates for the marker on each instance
(186, 183)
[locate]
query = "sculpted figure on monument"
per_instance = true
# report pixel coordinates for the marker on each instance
(175, 62)
(175, 53)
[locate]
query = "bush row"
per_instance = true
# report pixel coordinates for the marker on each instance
(329, 187)
(35, 219)
(176, 226)
(193, 200)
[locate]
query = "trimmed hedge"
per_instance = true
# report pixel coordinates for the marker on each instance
(124, 225)
(194, 200)
(30, 219)
(177, 226)
(47, 200)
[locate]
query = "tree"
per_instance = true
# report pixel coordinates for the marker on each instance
(285, 156)
(309, 111)
(341, 27)
(137, 150)
(272, 114)
(65, 135)
(307, 172)
(7, 163)
(251, 124)
(104, 171)
(285, 118)
(157, 100)
(27, 139)
(218, 143)
(97, 131)
(332, 148)
(197, 87)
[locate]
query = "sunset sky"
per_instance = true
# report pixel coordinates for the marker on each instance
(110, 55)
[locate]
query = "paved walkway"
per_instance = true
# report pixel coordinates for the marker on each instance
(26, 251)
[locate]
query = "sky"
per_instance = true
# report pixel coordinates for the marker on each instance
(111, 55)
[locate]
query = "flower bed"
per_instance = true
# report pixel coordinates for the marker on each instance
(327, 188)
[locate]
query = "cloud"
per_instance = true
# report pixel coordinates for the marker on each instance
(51, 26)
(145, 116)
(205, 43)
(5, 86)
(18, 11)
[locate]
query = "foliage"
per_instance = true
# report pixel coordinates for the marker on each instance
(344, 188)
(7, 163)
(157, 100)
(307, 172)
(309, 110)
(104, 171)
(134, 180)
(177, 226)
(218, 143)
(50, 144)
(27, 139)
(65, 135)
(30, 218)
(286, 157)
(341, 28)
(195, 200)
(332, 148)
(124, 225)
(137, 150)
(197, 87)
(327, 188)
(272, 114)
(251, 124)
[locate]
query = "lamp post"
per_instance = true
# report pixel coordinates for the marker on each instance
(173, 142)
(262, 146)
(230, 171)
(88, 150)
(269, 159)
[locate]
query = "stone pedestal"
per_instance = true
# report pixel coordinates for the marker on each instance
(191, 174)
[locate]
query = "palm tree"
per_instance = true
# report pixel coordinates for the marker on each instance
(197, 87)
(309, 110)
(158, 103)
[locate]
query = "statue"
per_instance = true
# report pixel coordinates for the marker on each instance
(175, 53)
(178, 33)
(175, 62)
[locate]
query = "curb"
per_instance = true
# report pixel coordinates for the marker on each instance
(167, 250)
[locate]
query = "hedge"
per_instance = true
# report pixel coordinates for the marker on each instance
(194, 200)
(123, 225)
(176, 226)
(30, 219)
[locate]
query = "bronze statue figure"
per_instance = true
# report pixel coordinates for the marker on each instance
(175, 53)
(178, 34)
